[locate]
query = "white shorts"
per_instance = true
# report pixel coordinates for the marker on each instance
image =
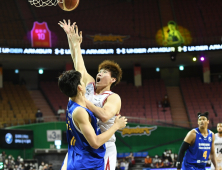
(110, 156)
(219, 166)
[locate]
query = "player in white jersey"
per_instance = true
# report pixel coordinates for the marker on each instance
(99, 99)
(218, 147)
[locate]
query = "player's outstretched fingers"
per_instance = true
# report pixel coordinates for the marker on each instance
(68, 22)
(64, 21)
(77, 31)
(74, 23)
(80, 35)
(72, 28)
(61, 23)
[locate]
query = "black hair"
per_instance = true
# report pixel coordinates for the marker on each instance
(114, 69)
(68, 82)
(203, 114)
(172, 23)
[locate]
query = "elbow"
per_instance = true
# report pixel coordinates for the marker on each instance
(95, 146)
(95, 143)
(104, 119)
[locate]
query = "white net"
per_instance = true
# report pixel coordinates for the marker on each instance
(43, 3)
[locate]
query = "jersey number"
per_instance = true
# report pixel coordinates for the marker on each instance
(73, 141)
(205, 154)
(219, 150)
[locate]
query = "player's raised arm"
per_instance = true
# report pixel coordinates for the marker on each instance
(81, 117)
(110, 108)
(75, 40)
(67, 28)
(212, 153)
(189, 140)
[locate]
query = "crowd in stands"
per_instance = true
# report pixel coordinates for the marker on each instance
(39, 117)
(166, 160)
(60, 112)
(10, 163)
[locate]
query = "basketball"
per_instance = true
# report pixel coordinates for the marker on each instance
(68, 5)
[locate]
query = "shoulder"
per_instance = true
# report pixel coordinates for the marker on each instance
(211, 132)
(213, 135)
(114, 96)
(192, 133)
(217, 136)
(90, 84)
(80, 114)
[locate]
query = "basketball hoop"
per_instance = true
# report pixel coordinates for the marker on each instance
(43, 3)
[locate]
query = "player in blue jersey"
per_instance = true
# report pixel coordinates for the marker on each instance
(86, 147)
(198, 145)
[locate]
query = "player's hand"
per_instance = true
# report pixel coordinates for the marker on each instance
(74, 35)
(120, 122)
(80, 35)
(66, 27)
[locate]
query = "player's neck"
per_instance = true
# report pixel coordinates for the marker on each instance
(203, 131)
(79, 99)
(220, 134)
(100, 90)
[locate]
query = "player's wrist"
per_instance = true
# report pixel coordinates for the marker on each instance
(76, 44)
(116, 126)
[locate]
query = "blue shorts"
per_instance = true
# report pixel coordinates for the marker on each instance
(192, 167)
(83, 162)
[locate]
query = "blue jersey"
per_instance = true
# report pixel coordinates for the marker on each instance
(80, 154)
(197, 155)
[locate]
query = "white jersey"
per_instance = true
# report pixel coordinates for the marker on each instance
(99, 100)
(218, 151)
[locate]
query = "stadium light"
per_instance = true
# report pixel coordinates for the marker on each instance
(41, 71)
(202, 58)
(157, 69)
(181, 68)
(173, 56)
(194, 58)
(16, 71)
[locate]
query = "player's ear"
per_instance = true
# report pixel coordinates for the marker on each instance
(80, 88)
(113, 79)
